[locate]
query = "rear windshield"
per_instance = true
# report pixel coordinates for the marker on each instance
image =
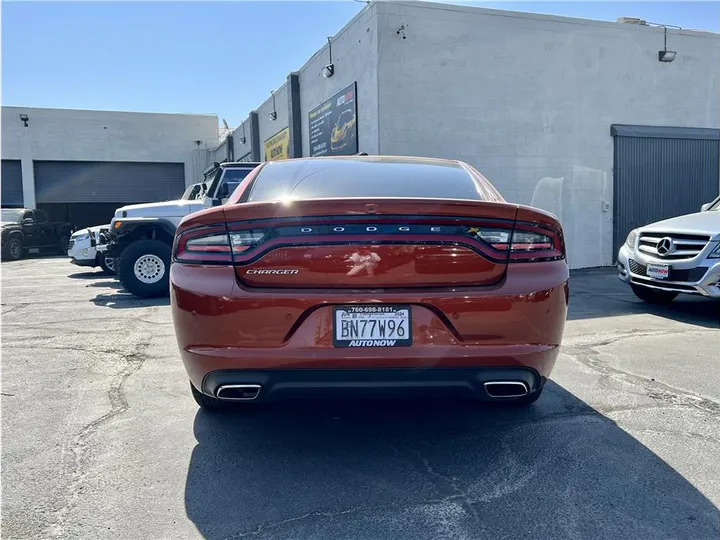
(328, 178)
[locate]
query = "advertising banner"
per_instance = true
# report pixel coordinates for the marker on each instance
(333, 125)
(276, 147)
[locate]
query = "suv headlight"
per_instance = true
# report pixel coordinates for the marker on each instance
(715, 253)
(80, 237)
(631, 238)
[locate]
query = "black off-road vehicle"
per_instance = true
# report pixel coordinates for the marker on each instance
(24, 229)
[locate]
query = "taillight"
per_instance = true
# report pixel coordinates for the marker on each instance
(206, 244)
(213, 244)
(526, 243)
(532, 243)
(244, 240)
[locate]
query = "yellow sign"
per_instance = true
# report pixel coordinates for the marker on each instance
(276, 147)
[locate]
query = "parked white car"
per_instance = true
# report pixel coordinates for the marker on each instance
(675, 256)
(82, 249)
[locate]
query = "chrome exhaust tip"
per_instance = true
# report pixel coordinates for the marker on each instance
(506, 389)
(238, 392)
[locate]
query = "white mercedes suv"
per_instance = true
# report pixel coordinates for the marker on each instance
(674, 256)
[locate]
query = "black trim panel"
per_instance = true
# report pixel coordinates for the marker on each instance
(664, 132)
(378, 382)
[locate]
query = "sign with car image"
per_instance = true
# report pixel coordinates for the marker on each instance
(333, 125)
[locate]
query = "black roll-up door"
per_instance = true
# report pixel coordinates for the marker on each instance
(660, 173)
(11, 177)
(107, 181)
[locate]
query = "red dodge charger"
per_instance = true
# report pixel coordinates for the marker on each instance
(391, 275)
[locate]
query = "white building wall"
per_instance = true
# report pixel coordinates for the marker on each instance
(218, 153)
(268, 127)
(354, 50)
(242, 148)
(529, 100)
(81, 135)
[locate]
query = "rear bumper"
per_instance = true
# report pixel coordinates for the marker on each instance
(348, 383)
(221, 327)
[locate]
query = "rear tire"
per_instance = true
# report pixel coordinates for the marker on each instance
(63, 243)
(206, 402)
(13, 249)
(107, 264)
(144, 268)
(652, 296)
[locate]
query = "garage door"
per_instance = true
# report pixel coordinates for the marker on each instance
(661, 172)
(107, 182)
(12, 191)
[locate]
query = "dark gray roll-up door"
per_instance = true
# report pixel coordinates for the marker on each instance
(12, 190)
(107, 181)
(662, 172)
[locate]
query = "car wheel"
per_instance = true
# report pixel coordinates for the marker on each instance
(63, 243)
(653, 296)
(144, 268)
(107, 263)
(14, 249)
(206, 402)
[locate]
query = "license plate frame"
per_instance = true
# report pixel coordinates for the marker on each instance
(386, 312)
(658, 271)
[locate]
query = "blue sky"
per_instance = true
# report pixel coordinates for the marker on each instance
(219, 58)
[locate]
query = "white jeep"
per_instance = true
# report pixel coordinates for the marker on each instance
(140, 236)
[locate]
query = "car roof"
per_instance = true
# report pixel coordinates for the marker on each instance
(407, 160)
(242, 164)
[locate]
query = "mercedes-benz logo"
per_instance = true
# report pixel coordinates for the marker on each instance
(665, 246)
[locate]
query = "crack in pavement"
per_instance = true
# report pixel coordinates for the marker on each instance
(590, 357)
(587, 341)
(458, 493)
(266, 527)
(79, 447)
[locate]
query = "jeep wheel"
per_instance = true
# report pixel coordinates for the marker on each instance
(14, 249)
(144, 268)
(653, 296)
(107, 263)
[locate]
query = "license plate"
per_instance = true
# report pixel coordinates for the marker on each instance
(372, 326)
(658, 271)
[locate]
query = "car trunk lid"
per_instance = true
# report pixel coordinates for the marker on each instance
(364, 243)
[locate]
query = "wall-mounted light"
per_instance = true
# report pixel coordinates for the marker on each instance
(329, 69)
(665, 55)
(242, 137)
(273, 113)
(24, 119)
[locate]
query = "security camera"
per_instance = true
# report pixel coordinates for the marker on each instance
(272, 115)
(328, 71)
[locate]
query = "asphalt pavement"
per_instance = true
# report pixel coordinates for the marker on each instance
(101, 438)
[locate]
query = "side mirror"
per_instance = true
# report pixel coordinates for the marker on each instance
(705, 207)
(228, 188)
(28, 221)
